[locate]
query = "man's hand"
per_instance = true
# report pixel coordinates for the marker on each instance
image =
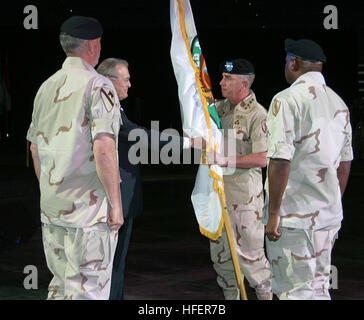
(278, 172)
(271, 230)
(115, 220)
(198, 143)
(216, 158)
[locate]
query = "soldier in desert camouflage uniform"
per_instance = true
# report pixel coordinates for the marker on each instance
(309, 151)
(244, 122)
(73, 135)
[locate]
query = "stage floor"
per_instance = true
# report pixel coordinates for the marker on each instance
(168, 257)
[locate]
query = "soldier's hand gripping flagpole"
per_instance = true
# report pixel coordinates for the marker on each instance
(199, 119)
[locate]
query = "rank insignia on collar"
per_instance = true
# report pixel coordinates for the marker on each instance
(108, 98)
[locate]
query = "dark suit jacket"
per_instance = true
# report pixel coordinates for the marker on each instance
(131, 186)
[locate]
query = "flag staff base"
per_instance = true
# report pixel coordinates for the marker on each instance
(234, 256)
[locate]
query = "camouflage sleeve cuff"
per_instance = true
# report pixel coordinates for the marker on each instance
(104, 126)
(281, 151)
(31, 135)
(347, 154)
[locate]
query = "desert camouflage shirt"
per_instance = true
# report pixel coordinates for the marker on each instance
(70, 109)
(309, 125)
(244, 127)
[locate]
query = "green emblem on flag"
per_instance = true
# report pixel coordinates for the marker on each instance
(196, 52)
(199, 60)
(214, 115)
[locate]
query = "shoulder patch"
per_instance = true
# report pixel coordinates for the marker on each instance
(275, 107)
(108, 98)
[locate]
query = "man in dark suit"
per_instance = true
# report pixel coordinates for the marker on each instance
(131, 188)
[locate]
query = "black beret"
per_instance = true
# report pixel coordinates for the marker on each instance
(305, 49)
(86, 28)
(237, 66)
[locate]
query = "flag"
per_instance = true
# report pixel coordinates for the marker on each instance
(199, 116)
(200, 119)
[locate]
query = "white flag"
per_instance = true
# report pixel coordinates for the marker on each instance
(199, 117)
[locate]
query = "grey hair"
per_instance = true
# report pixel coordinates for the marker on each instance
(250, 78)
(107, 67)
(70, 44)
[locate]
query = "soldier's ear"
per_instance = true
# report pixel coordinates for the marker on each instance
(91, 46)
(88, 47)
(294, 64)
(246, 84)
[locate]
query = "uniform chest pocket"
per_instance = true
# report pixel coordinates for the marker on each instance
(242, 136)
(240, 127)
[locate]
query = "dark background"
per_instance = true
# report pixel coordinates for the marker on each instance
(166, 239)
(139, 31)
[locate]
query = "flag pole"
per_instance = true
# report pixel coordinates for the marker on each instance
(230, 236)
(225, 215)
(231, 241)
(234, 256)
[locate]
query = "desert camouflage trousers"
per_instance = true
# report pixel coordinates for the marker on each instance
(80, 260)
(301, 263)
(248, 232)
